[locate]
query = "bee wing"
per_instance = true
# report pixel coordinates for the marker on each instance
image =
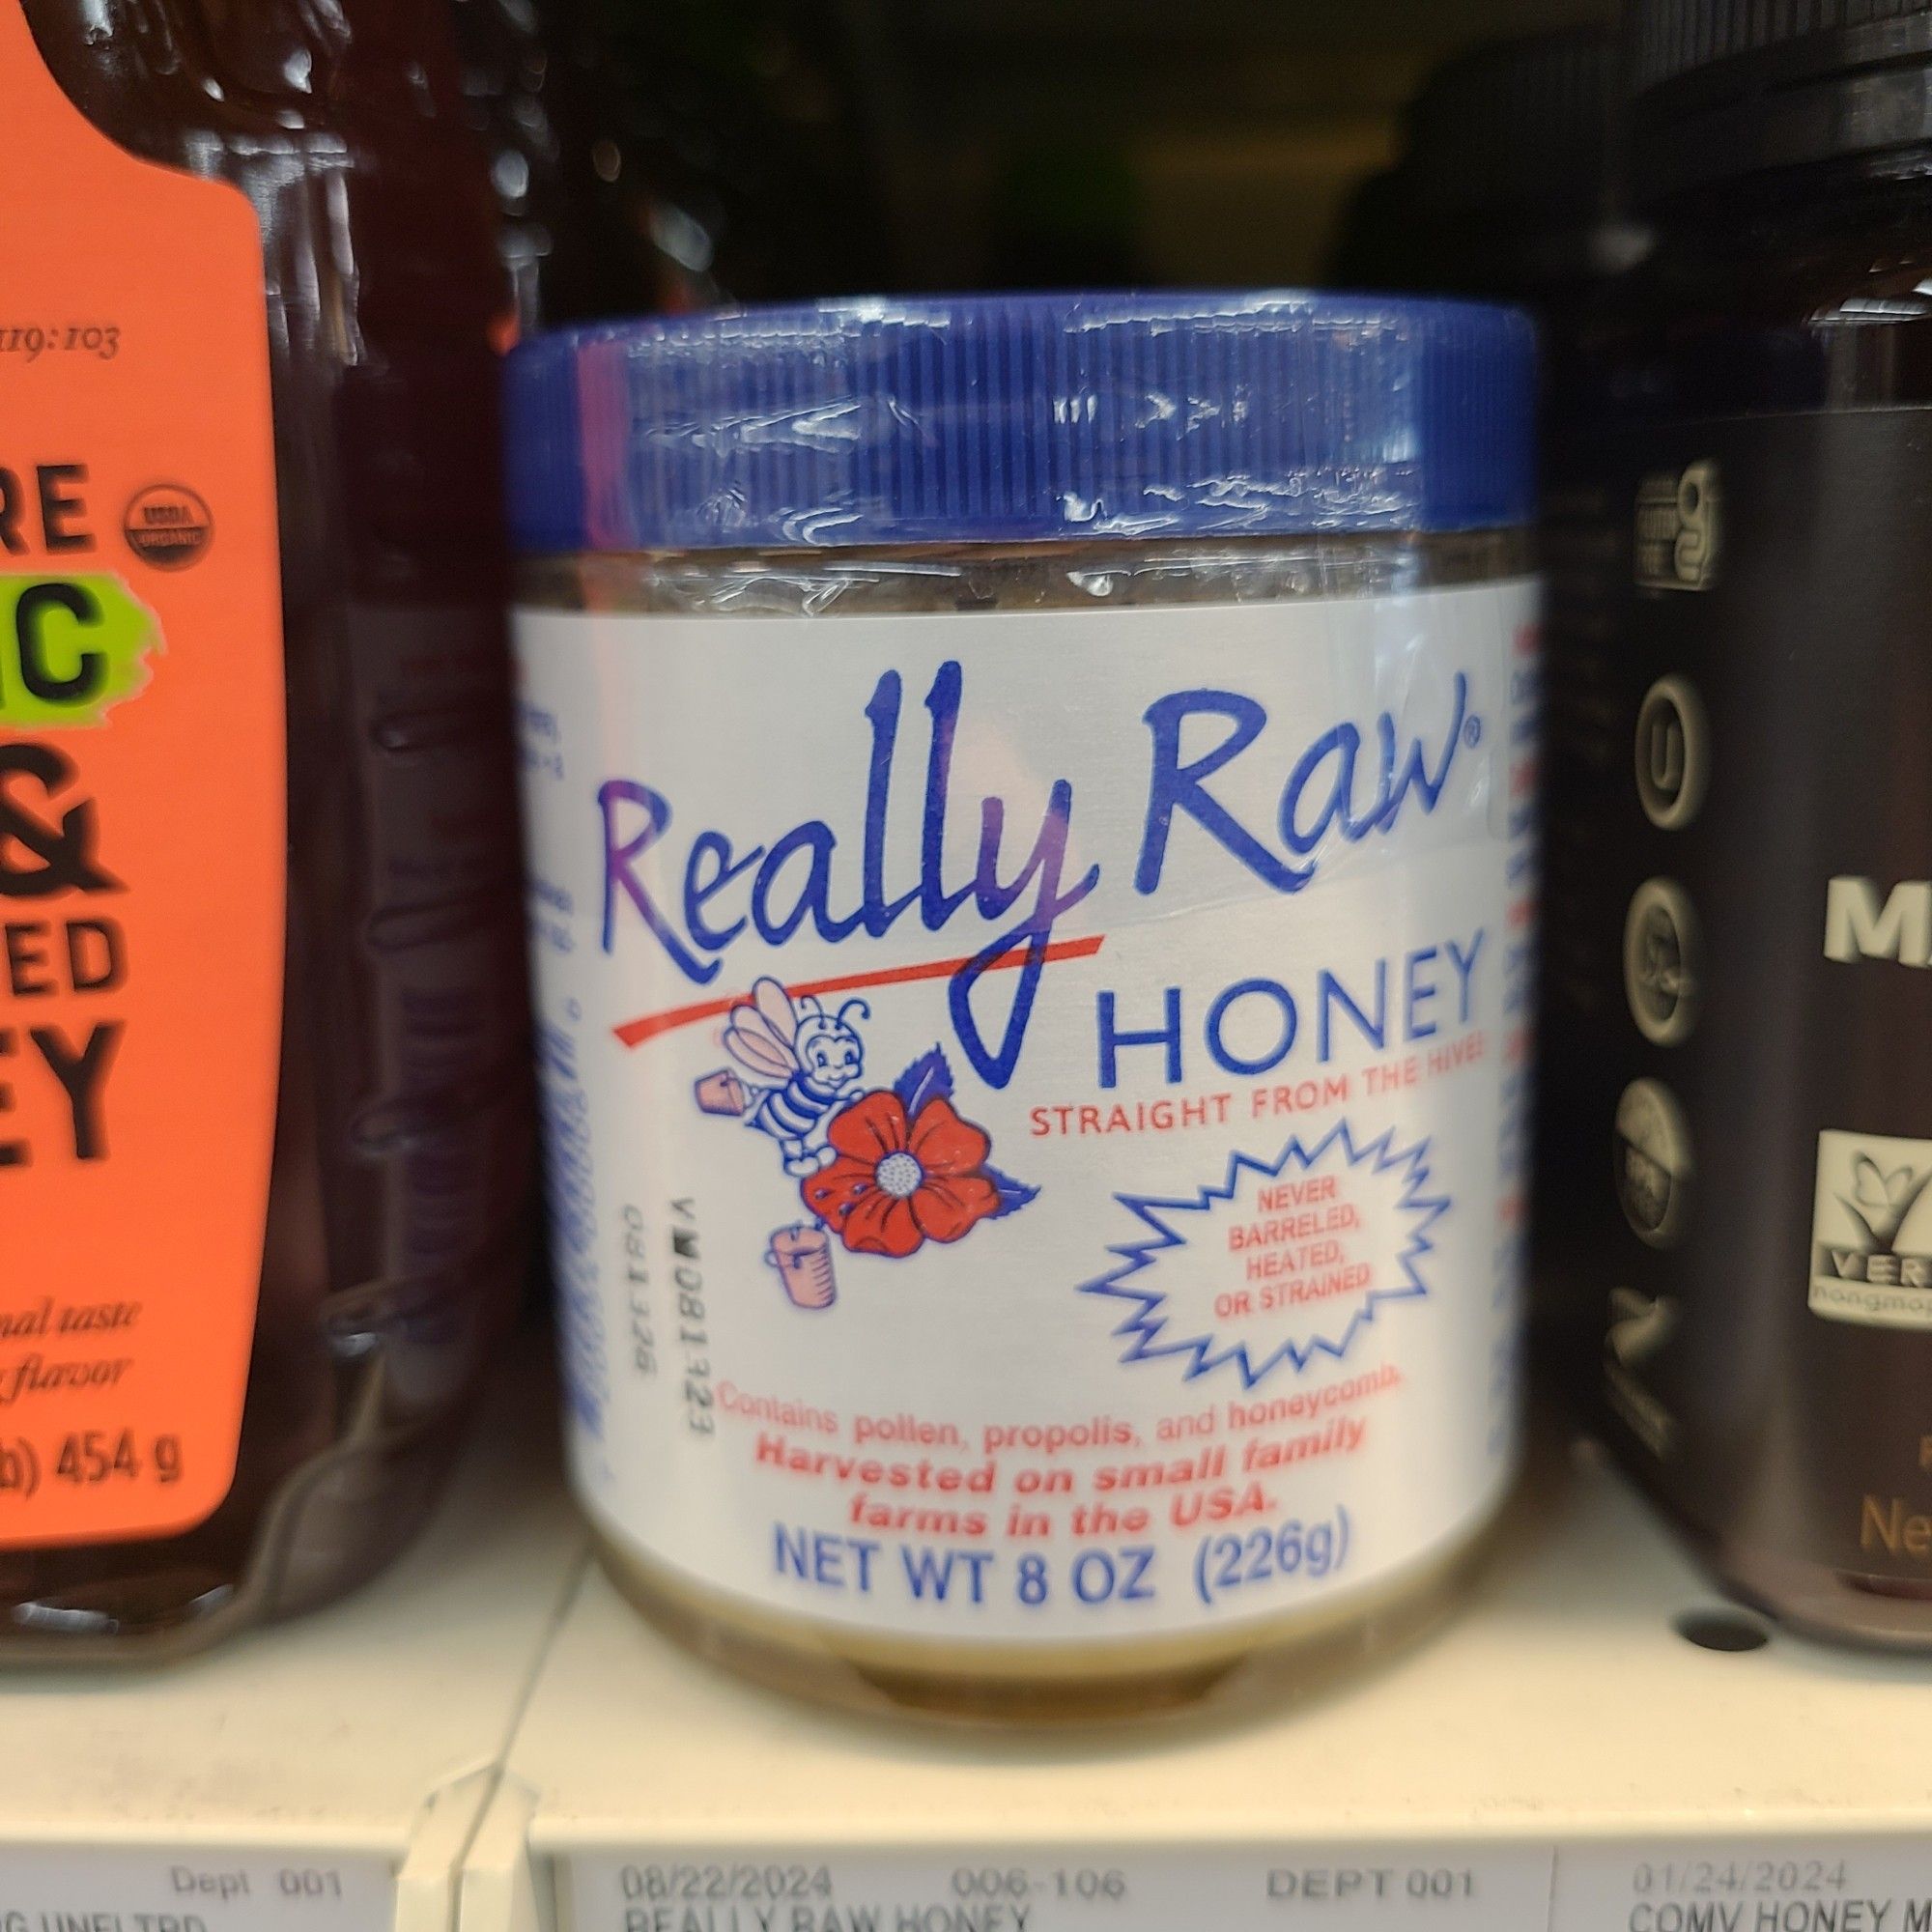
(1895, 1184)
(773, 1004)
(751, 1041)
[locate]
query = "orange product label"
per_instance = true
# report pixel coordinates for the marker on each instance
(142, 823)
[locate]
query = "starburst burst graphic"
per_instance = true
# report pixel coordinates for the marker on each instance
(1282, 1264)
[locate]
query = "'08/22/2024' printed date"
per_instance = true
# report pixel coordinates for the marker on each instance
(1040, 1894)
(1864, 1886)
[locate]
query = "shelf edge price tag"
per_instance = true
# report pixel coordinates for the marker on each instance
(84, 1887)
(1237, 1889)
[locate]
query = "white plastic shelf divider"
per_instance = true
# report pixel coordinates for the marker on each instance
(1558, 1756)
(323, 1775)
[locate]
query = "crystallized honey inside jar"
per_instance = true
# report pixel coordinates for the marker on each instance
(1029, 865)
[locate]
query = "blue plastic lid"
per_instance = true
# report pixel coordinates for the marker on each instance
(1023, 418)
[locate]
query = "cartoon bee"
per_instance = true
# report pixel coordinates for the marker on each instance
(815, 1057)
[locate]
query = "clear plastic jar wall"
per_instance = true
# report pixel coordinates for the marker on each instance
(1292, 1652)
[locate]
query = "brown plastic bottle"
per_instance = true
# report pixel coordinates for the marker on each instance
(388, 1238)
(1736, 1131)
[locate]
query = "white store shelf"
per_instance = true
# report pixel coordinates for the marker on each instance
(324, 1775)
(1544, 1749)
(488, 1740)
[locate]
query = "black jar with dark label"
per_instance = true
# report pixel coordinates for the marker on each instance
(1506, 187)
(1736, 1149)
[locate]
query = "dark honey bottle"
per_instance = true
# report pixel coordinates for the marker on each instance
(264, 1135)
(1736, 1160)
(1507, 186)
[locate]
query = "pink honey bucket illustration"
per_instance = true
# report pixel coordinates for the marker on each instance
(721, 1092)
(803, 1258)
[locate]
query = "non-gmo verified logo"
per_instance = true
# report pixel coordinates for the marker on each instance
(1871, 1230)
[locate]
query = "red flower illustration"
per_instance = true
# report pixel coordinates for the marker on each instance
(897, 1184)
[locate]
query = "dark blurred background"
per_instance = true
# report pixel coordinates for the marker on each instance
(664, 153)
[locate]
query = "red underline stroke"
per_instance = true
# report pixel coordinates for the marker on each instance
(634, 1033)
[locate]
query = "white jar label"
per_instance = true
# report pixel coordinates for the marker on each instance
(1036, 1099)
